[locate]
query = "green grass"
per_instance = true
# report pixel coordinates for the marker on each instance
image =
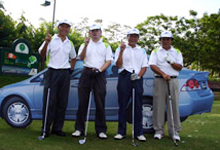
(199, 132)
(8, 79)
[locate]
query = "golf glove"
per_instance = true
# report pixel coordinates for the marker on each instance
(135, 76)
(167, 58)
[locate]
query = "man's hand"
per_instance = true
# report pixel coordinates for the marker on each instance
(48, 37)
(167, 58)
(135, 76)
(87, 39)
(166, 77)
(122, 46)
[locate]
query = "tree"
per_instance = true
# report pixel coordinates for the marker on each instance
(7, 29)
(209, 41)
(184, 31)
(151, 29)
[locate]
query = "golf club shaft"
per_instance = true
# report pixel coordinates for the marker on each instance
(133, 110)
(133, 114)
(171, 113)
(46, 113)
(133, 105)
(88, 112)
(87, 119)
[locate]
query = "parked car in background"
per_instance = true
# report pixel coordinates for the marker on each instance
(21, 102)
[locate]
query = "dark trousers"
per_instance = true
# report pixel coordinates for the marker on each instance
(58, 81)
(97, 82)
(124, 88)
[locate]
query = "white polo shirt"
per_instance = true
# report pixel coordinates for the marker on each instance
(59, 52)
(157, 58)
(97, 54)
(133, 58)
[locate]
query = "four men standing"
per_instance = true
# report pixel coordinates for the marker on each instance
(132, 62)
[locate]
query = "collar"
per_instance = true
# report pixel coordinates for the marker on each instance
(171, 48)
(136, 46)
(100, 41)
(57, 37)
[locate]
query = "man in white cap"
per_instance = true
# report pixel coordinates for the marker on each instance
(58, 50)
(132, 62)
(166, 62)
(97, 57)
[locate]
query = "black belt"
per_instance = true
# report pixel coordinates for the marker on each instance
(87, 68)
(62, 69)
(124, 72)
(172, 77)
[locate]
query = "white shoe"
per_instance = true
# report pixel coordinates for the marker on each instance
(77, 133)
(158, 136)
(102, 135)
(176, 137)
(141, 138)
(119, 137)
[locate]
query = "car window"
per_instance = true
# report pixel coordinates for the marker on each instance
(38, 78)
(77, 70)
(76, 74)
(112, 71)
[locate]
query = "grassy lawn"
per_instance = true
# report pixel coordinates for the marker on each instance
(8, 79)
(198, 132)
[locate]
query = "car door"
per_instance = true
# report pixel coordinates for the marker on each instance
(38, 92)
(111, 102)
(73, 94)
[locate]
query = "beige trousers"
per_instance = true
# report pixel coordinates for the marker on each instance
(161, 104)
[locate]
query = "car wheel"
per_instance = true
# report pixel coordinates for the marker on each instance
(147, 118)
(17, 113)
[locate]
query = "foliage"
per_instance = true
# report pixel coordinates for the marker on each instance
(197, 38)
(7, 30)
(210, 43)
(76, 37)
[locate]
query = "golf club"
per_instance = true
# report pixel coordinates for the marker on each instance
(171, 114)
(87, 119)
(133, 109)
(45, 117)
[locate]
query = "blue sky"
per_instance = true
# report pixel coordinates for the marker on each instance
(124, 12)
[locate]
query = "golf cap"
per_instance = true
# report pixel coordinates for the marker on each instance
(64, 22)
(133, 31)
(166, 34)
(94, 27)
